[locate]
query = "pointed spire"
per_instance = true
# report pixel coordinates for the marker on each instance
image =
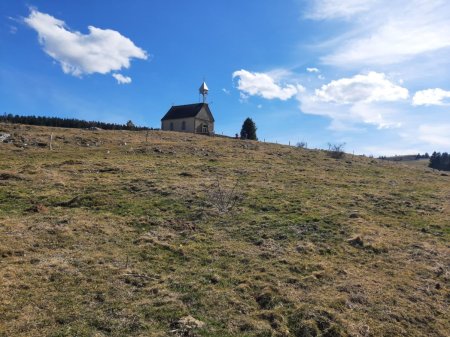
(203, 91)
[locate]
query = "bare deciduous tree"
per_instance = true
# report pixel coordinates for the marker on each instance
(336, 150)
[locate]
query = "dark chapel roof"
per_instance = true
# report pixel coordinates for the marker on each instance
(186, 111)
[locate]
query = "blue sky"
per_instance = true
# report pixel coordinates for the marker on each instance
(373, 74)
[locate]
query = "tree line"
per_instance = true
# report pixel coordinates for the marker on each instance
(440, 161)
(69, 123)
(406, 157)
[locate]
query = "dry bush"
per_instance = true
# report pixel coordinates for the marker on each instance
(222, 198)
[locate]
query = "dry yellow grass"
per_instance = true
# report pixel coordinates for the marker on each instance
(109, 235)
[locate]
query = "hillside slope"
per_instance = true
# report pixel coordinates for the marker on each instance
(113, 234)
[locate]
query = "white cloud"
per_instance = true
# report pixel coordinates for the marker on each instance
(373, 87)
(437, 135)
(226, 91)
(99, 51)
(361, 99)
(431, 97)
(264, 85)
(312, 70)
(121, 79)
(385, 32)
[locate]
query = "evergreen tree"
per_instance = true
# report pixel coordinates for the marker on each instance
(440, 161)
(434, 160)
(445, 161)
(130, 125)
(248, 130)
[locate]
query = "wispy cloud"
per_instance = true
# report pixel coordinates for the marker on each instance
(435, 134)
(385, 32)
(333, 9)
(100, 51)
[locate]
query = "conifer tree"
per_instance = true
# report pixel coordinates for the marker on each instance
(440, 161)
(248, 130)
(434, 160)
(130, 125)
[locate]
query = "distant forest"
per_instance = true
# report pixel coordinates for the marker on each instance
(440, 161)
(69, 123)
(406, 157)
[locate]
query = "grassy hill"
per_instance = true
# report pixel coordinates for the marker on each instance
(113, 234)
